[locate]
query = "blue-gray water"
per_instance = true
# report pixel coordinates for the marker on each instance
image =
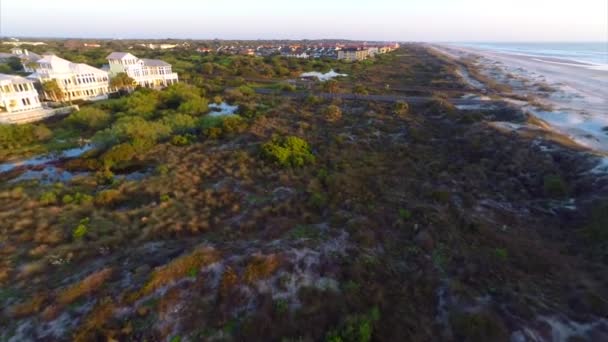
(589, 53)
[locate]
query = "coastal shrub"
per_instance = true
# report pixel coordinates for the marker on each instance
(441, 106)
(67, 199)
(48, 198)
(358, 328)
(143, 103)
(180, 140)
(402, 108)
(360, 90)
(233, 124)
(81, 229)
(131, 128)
(597, 228)
(82, 199)
(180, 123)
(555, 186)
(13, 136)
(332, 113)
(108, 197)
(477, 327)
(290, 151)
(89, 118)
(117, 154)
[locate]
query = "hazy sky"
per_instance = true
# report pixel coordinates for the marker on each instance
(419, 20)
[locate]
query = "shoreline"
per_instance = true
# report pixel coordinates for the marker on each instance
(571, 99)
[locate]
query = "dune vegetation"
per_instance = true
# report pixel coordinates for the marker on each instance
(304, 219)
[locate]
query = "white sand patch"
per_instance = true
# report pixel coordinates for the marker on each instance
(323, 77)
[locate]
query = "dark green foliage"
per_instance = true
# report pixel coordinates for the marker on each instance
(473, 327)
(597, 228)
(555, 186)
(288, 152)
(355, 328)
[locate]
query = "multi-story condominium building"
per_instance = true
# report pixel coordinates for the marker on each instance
(17, 94)
(353, 54)
(150, 73)
(77, 81)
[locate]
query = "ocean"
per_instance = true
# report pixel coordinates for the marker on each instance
(592, 53)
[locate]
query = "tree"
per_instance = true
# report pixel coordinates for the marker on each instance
(53, 91)
(122, 81)
(15, 64)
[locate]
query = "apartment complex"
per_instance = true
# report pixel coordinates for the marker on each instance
(17, 94)
(149, 73)
(353, 54)
(77, 81)
(360, 53)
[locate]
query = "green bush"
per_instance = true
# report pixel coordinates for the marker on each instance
(67, 199)
(48, 198)
(233, 124)
(89, 118)
(118, 154)
(180, 140)
(180, 123)
(356, 328)
(288, 152)
(81, 229)
(14, 136)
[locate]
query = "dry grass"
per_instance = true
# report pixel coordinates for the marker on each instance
(84, 287)
(261, 267)
(96, 319)
(179, 268)
(28, 308)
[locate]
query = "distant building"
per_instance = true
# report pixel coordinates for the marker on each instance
(353, 54)
(17, 94)
(159, 46)
(19, 43)
(77, 81)
(149, 73)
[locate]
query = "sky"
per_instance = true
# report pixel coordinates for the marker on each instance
(389, 20)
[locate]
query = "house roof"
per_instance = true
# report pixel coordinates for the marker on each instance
(79, 68)
(154, 62)
(118, 55)
(13, 79)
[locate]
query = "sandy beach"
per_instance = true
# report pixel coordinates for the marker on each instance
(576, 92)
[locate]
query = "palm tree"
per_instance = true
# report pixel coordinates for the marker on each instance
(52, 90)
(122, 81)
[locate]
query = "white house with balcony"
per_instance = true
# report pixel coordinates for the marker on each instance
(17, 94)
(77, 81)
(149, 73)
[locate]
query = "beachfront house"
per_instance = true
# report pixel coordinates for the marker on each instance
(77, 81)
(149, 73)
(17, 94)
